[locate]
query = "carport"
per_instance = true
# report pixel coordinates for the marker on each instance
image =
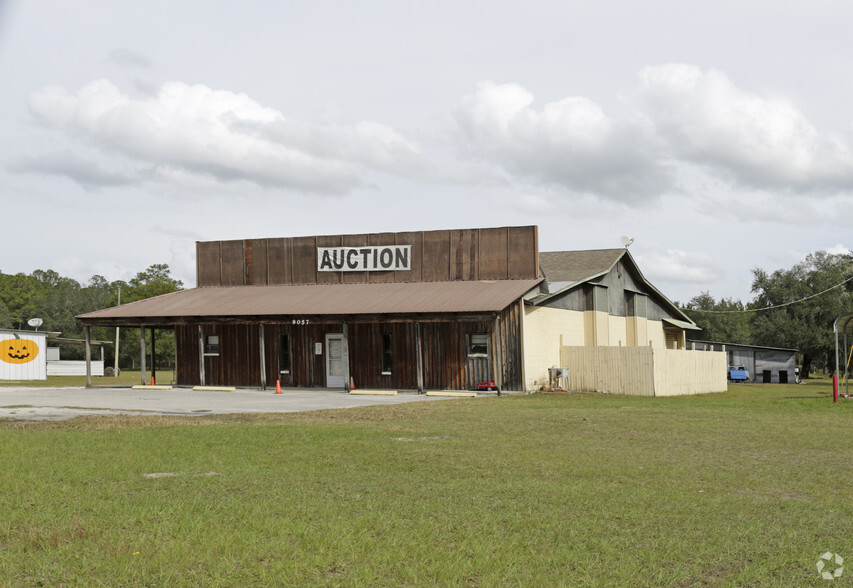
(843, 324)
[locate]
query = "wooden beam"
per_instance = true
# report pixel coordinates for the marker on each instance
(142, 353)
(153, 356)
(200, 356)
(263, 356)
(498, 356)
(89, 357)
(346, 355)
(420, 358)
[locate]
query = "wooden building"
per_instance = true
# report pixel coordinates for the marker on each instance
(434, 310)
(596, 299)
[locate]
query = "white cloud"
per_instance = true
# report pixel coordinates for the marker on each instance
(757, 140)
(839, 249)
(570, 143)
(224, 135)
(686, 123)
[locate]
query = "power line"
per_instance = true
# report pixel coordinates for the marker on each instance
(769, 307)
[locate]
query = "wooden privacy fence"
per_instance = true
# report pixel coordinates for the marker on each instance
(644, 371)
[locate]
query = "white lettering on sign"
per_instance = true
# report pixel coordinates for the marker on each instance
(364, 259)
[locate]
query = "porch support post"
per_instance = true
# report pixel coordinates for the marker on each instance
(142, 353)
(153, 357)
(263, 356)
(87, 330)
(420, 358)
(521, 345)
(200, 356)
(345, 331)
(498, 355)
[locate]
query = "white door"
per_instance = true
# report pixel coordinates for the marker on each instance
(335, 360)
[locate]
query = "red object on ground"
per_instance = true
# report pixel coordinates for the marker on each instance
(485, 385)
(835, 388)
(278, 386)
(152, 381)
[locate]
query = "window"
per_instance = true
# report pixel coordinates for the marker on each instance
(284, 355)
(386, 354)
(211, 345)
(478, 345)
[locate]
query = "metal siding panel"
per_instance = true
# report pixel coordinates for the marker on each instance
(523, 252)
(464, 247)
(436, 256)
(304, 260)
(493, 256)
(259, 274)
(208, 264)
(233, 270)
(279, 261)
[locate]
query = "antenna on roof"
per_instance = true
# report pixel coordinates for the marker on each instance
(626, 241)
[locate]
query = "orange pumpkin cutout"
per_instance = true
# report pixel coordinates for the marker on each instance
(18, 350)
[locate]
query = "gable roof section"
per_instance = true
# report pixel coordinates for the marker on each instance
(570, 269)
(578, 266)
(233, 302)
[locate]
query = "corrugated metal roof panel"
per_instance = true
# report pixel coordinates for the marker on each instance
(324, 299)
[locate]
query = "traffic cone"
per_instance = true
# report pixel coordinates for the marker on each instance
(278, 386)
(152, 381)
(351, 384)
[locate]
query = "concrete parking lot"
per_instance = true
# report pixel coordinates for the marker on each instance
(66, 403)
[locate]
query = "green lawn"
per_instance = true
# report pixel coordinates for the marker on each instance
(747, 487)
(125, 378)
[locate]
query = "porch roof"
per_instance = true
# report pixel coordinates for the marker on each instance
(395, 298)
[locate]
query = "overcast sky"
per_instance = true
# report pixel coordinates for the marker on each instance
(719, 138)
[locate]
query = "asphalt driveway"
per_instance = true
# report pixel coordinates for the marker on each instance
(66, 403)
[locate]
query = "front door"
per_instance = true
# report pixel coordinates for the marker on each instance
(335, 360)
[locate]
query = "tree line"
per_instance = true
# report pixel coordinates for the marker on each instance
(57, 300)
(793, 308)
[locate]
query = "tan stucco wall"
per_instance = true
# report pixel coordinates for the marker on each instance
(618, 331)
(542, 330)
(654, 334)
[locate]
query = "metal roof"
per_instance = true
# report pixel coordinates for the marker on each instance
(319, 300)
(576, 266)
(844, 323)
(682, 324)
(744, 345)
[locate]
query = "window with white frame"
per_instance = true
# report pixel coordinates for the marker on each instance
(478, 345)
(211, 345)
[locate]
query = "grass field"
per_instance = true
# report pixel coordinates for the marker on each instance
(125, 378)
(747, 487)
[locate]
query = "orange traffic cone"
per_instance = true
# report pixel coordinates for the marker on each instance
(152, 381)
(278, 386)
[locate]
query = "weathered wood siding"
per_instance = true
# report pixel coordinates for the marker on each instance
(446, 363)
(463, 254)
(644, 371)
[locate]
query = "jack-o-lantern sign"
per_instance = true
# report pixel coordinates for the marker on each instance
(18, 350)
